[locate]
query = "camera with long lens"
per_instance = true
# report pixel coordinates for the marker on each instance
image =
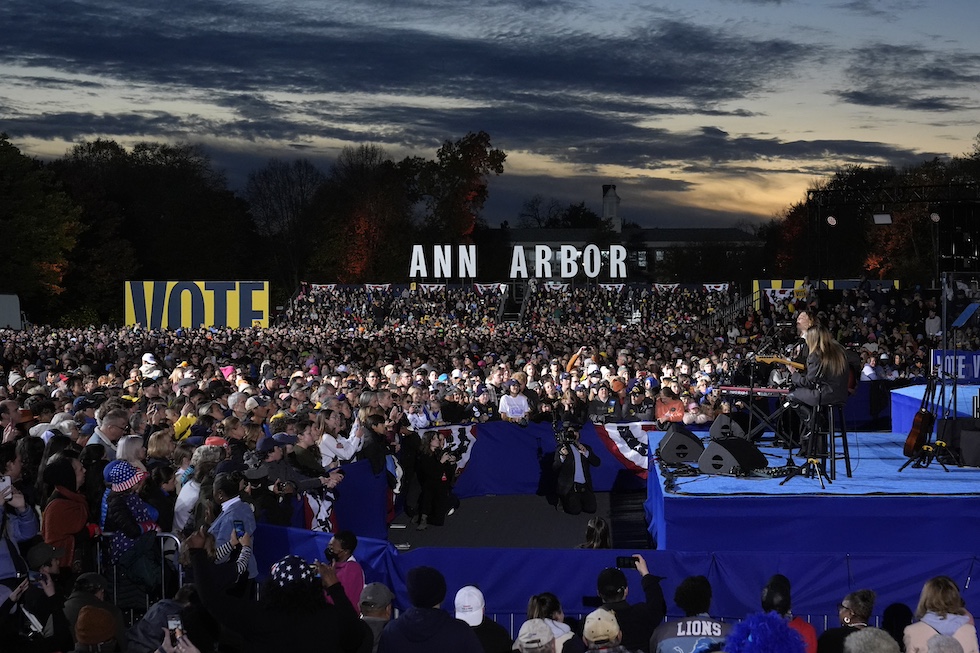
(565, 433)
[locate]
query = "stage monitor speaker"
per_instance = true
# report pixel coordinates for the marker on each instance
(680, 446)
(724, 456)
(970, 448)
(950, 430)
(730, 426)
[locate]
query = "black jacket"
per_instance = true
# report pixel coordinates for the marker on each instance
(639, 620)
(566, 469)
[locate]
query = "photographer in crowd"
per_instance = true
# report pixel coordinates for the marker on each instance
(573, 462)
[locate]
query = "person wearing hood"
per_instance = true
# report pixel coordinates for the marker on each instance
(424, 627)
(941, 611)
(65, 521)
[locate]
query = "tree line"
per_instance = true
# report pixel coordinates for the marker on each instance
(76, 227)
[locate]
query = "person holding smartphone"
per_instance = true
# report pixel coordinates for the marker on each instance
(236, 517)
(18, 523)
(637, 620)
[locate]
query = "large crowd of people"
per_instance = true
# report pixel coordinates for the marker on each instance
(111, 435)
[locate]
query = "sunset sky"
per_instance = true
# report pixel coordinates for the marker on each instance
(702, 112)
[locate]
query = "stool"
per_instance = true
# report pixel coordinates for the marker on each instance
(833, 417)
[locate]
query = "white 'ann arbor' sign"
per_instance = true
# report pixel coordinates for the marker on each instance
(547, 262)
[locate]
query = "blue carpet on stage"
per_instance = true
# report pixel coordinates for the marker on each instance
(878, 510)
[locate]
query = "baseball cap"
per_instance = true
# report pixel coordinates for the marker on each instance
(600, 626)
(254, 402)
(376, 595)
(84, 402)
(469, 605)
(42, 553)
(534, 635)
(94, 579)
(257, 473)
(265, 444)
(611, 581)
(282, 439)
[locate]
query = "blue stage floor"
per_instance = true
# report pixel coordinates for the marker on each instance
(879, 509)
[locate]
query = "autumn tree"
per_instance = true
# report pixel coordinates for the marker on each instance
(454, 187)
(38, 221)
(363, 214)
(106, 255)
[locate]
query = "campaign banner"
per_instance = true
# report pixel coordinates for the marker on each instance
(716, 287)
(459, 441)
(556, 286)
(629, 442)
(961, 364)
(777, 295)
(482, 288)
(196, 304)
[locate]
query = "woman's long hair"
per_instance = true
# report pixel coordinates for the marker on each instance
(597, 534)
(543, 606)
(832, 359)
(426, 447)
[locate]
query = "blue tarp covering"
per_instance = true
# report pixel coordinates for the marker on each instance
(510, 459)
(906, 403)
(508, 577)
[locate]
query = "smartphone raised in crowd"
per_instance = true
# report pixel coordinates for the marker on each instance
(175, 627)
(626, 562)
(239, 527)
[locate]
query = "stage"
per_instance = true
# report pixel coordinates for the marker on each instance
(879, 510)
(905, 403)
(882, 529)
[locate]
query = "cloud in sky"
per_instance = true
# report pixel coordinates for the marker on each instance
(674, 100)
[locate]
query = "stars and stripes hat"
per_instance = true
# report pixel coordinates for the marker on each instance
(292, 569)
(123, 476)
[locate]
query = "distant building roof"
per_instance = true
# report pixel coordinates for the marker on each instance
(691, 235)
(662, 237)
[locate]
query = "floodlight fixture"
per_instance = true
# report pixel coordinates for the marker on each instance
(882, 218)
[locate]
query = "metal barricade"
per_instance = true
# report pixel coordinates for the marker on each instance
(126, 593)
(169, 545)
